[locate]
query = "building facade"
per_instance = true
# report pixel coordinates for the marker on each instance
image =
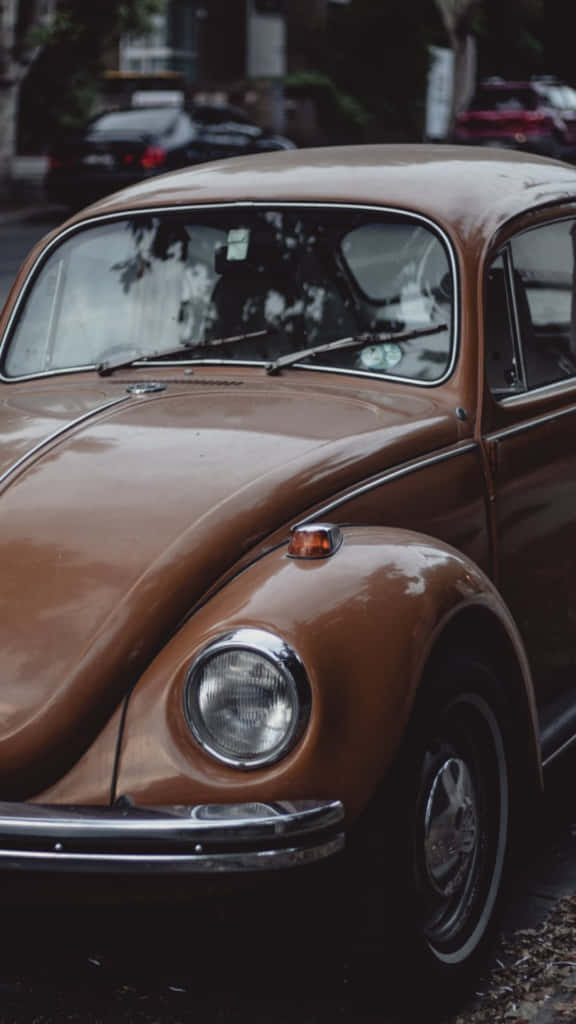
(235, 51)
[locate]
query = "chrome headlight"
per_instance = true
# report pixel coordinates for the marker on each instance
(247, 698)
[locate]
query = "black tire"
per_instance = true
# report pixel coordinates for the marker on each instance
(431, 850)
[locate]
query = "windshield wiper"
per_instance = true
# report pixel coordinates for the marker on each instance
(354, 341)
(104, 369)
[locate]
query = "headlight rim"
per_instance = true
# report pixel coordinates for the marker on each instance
(285, 659)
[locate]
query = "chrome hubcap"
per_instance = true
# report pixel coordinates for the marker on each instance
(450, 828)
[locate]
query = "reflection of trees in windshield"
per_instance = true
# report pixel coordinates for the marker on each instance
(279, 285)
(162, 245)
(300, 277)
(285, 276)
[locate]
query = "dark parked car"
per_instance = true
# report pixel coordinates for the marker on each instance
(287, 468)
(538, 116)
(120, 147)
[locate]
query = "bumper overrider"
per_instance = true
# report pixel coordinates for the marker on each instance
(204, 839)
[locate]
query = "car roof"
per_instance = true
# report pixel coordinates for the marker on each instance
(213, 111)
(493, 83)
(469, 191)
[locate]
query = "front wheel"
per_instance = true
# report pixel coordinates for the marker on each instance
(459, 829)
(435, 848)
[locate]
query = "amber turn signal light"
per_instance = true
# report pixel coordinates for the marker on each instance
(315, 540)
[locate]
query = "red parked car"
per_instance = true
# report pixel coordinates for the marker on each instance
(538, 116)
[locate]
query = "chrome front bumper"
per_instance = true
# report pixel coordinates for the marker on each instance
(205, 839)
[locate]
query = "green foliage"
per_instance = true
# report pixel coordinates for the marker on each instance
(62, 87)
(77, 21)
(510, 38)
(377, 53)
(341, 117)
(558, 40)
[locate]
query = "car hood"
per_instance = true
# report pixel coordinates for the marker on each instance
(119, 510)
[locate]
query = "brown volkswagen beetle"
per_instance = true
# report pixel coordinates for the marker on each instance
(288, 512)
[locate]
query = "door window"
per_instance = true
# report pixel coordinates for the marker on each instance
(502, 371)
(544, 279)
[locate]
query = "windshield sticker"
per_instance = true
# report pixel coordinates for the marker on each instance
(381, 357)
(237, 244)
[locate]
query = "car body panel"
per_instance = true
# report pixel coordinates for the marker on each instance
(391, 592)
(222, 451)
(536, 508)
(433, 181)
(138, 526)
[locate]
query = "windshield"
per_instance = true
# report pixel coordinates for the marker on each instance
(295, 278)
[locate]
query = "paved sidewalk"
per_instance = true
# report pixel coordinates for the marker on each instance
(28, 201)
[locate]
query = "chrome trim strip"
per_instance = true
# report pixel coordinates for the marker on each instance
(284, 658)
(168, 864)
(520, 428)
(214, 823)
(560, 750)
(59, 433)
(231, 363)
(544, 389)
(194, 208)
(514, 315)
(391, 474)
(206, 838)
(88, 368)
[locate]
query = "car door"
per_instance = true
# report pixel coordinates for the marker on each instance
(530, 436)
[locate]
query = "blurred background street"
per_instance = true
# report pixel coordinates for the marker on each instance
(96, 96)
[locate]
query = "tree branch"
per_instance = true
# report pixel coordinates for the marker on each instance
(457, 16)
(35, 18)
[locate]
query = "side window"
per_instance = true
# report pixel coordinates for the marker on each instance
(502, 372)
(543, 260)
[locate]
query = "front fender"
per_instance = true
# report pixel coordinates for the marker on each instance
(364, 623)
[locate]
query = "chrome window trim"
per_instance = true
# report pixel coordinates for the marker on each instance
(537, 421)
(513, 322)
(544, 389)
(385, 478)
(194, 208)
(514, 316)
(506, 252)
(562, 749)
(64, 429)
(284, 658)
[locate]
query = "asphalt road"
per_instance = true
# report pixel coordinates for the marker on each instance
(213, 959)
(84, 960)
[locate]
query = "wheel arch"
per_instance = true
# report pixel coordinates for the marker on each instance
(476, 631)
